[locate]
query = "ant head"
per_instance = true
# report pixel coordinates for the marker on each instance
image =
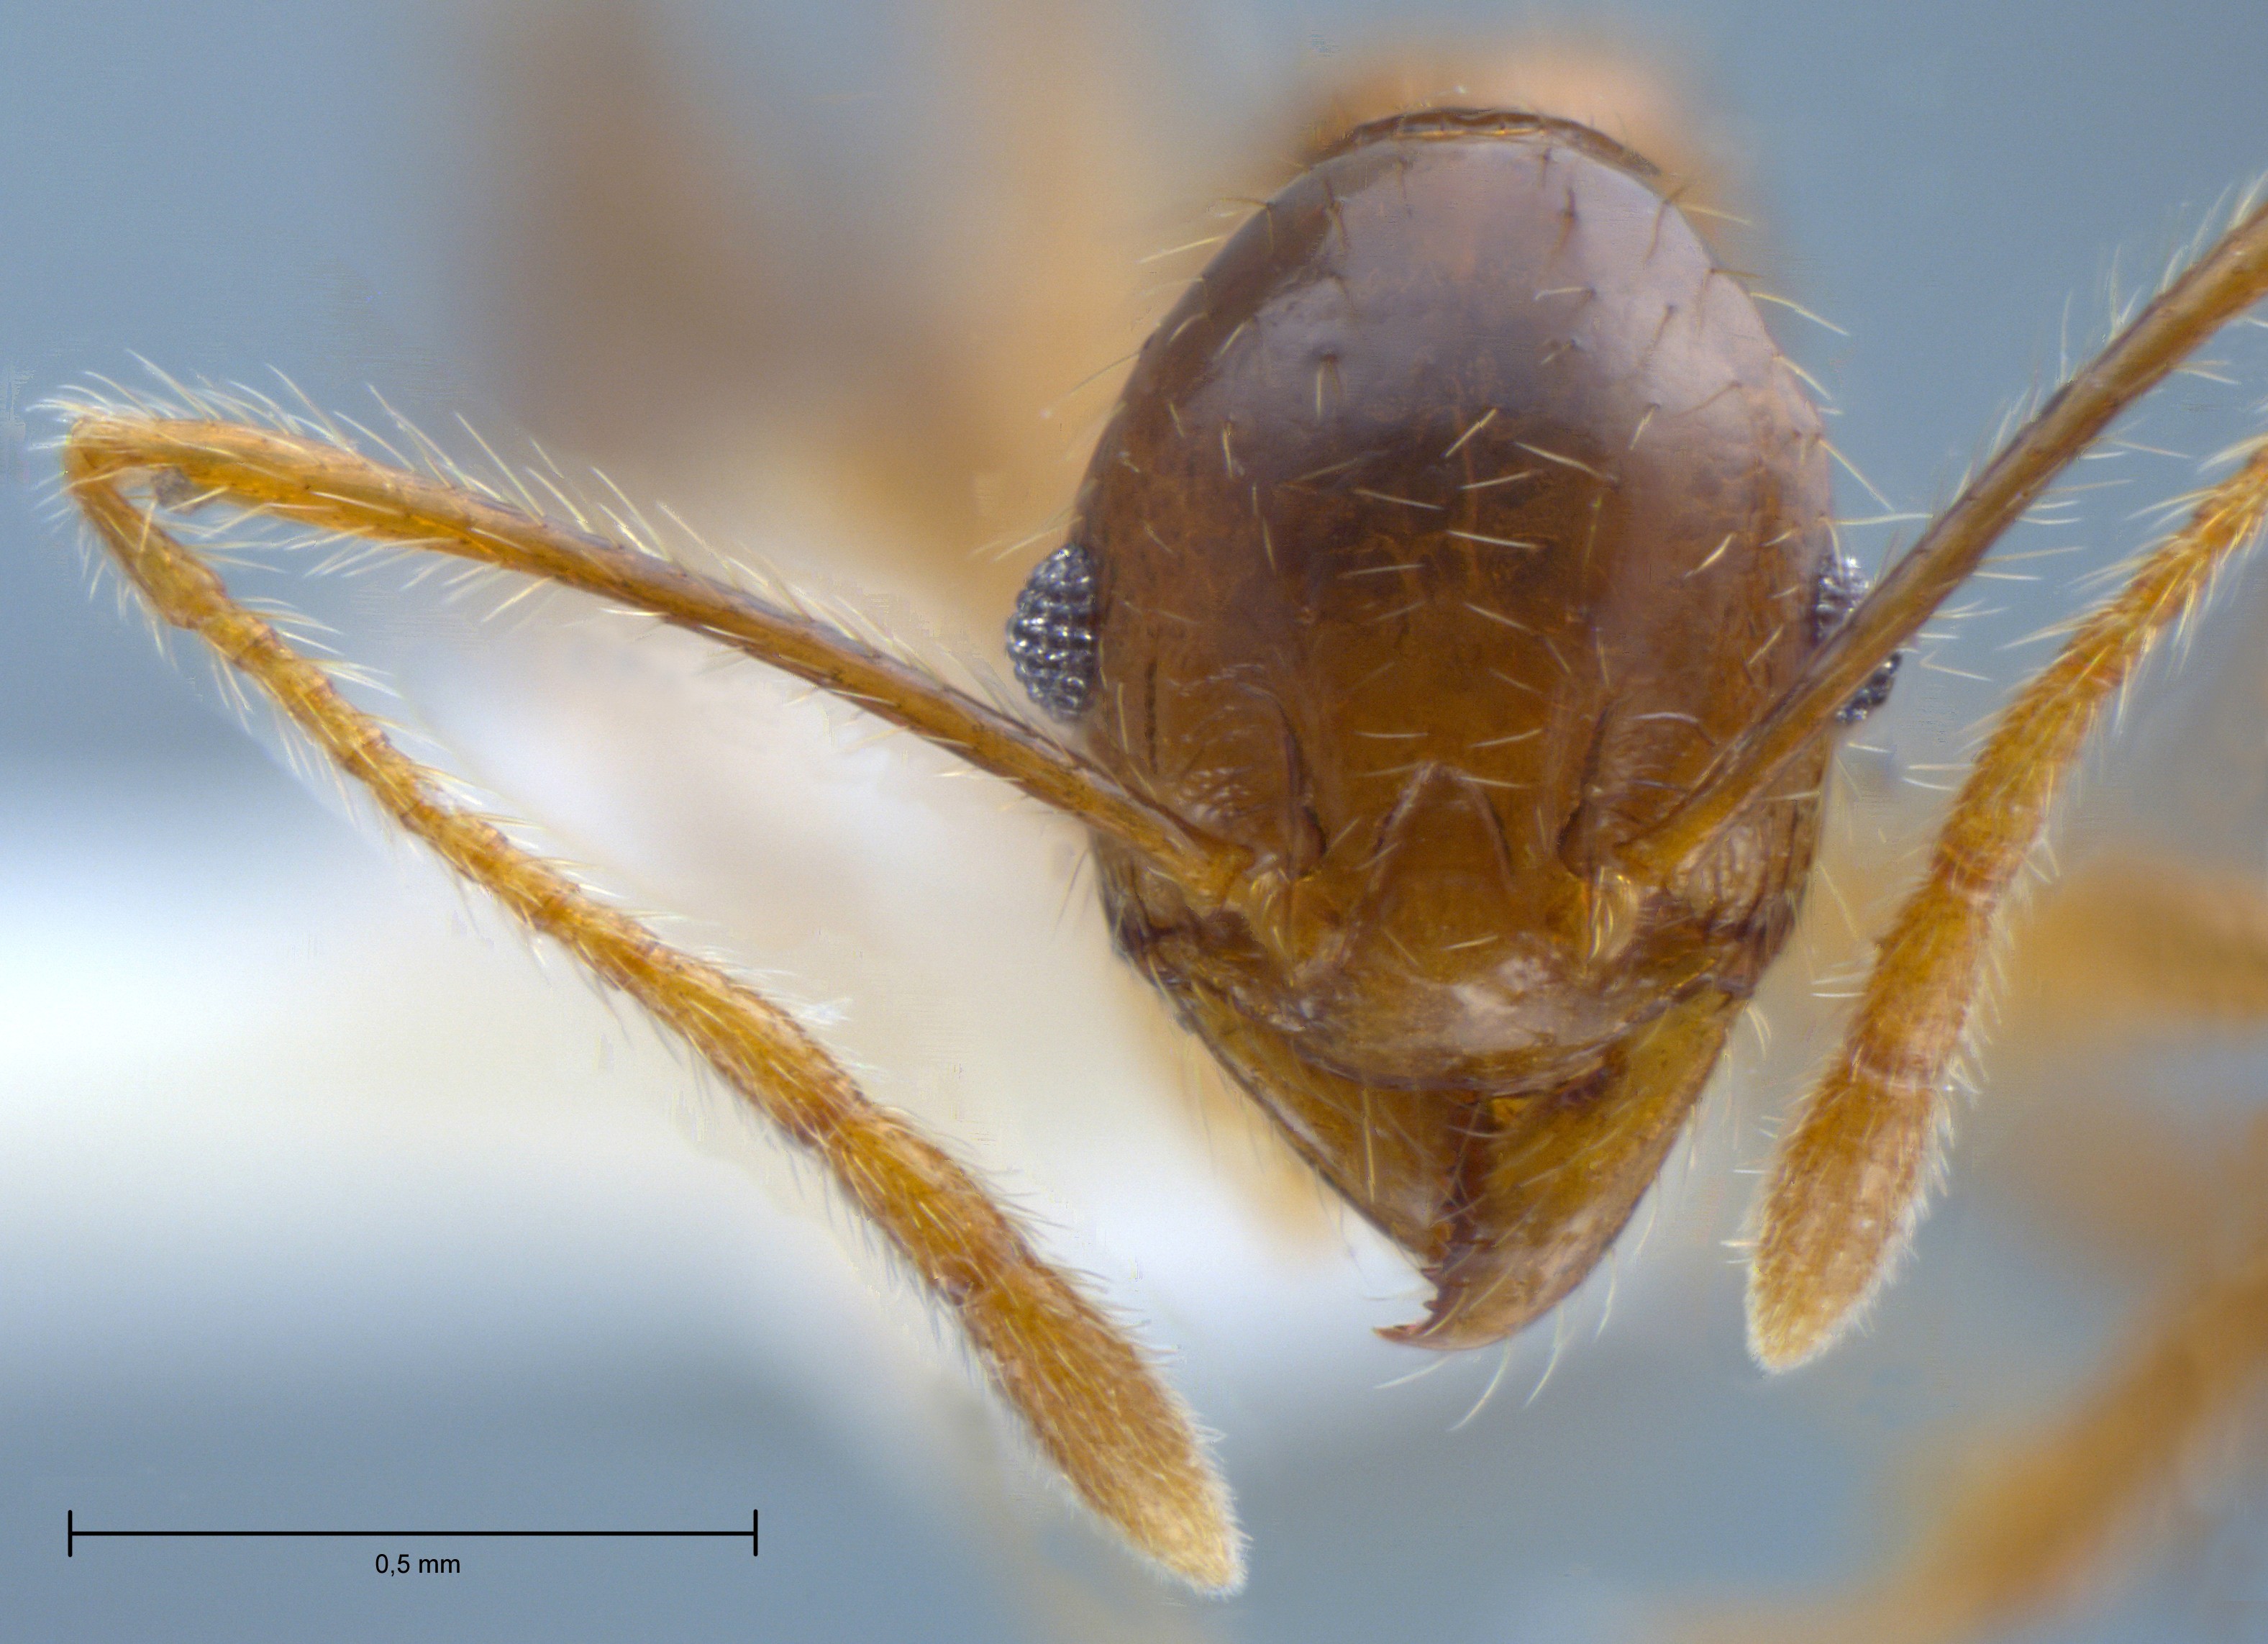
(1457, 516)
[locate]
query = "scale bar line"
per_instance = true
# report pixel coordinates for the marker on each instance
(73, 1534)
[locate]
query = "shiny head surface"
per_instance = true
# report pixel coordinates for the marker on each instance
(1454, 519)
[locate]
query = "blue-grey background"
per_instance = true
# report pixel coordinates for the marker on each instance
(321, 1204)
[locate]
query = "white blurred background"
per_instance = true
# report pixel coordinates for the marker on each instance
(324, 1203)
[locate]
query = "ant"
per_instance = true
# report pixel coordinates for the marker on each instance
(1449, 641)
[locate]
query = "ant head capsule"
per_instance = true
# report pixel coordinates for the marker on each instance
(1458, 514)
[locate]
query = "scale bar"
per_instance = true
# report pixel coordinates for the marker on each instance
(73, 1535)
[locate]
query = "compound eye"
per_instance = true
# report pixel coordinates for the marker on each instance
(1842, 586)
(1873, 694)
(1051, 636)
